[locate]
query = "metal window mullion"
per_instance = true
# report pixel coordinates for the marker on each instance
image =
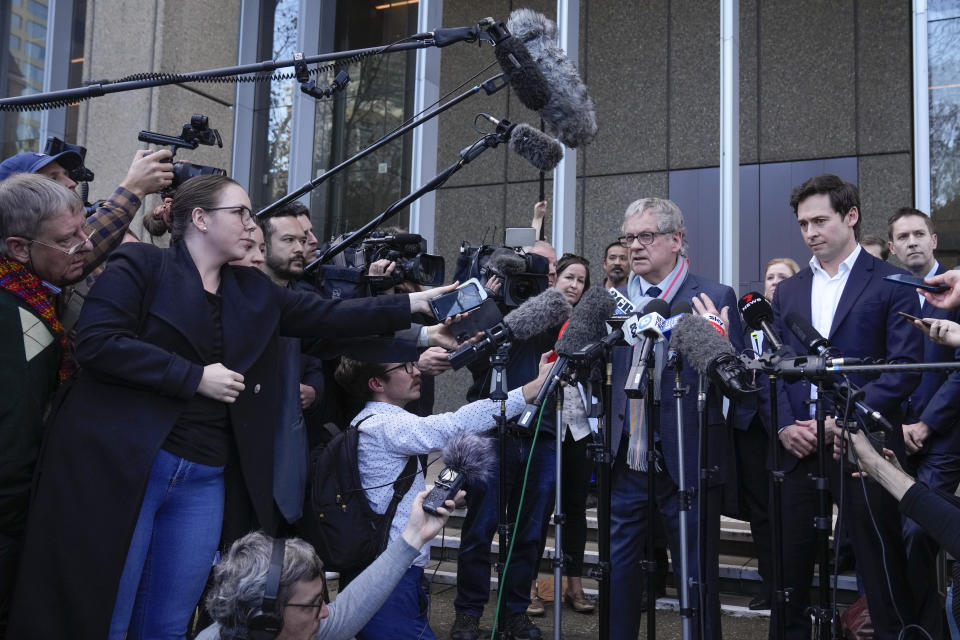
(248, 39)
(56, 66)
(303, 120)
(921, 109)
(565, 174)
(730, 143)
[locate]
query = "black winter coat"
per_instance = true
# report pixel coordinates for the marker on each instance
(141, 338)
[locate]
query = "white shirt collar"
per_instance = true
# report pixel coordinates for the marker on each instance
(845, 266)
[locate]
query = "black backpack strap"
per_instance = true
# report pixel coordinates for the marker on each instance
(400, 488)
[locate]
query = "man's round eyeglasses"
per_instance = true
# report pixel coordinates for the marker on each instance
(645, 237)
(246, 216)
(406, 366)
(69, 251)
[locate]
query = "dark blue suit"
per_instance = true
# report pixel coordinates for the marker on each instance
(628, 518)
(865, 325)
(937, 465)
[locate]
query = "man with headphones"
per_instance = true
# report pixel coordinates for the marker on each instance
(266, 589)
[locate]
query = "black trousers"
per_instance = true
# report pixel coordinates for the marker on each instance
(878, 557)
(753, 481)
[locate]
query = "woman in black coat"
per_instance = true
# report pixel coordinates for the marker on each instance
(179, 375)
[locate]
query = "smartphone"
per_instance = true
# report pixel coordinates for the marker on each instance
(467, 296)
(914, 281)
(907, 316)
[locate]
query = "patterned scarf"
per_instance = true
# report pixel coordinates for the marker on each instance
(637, 450)
(28, 287)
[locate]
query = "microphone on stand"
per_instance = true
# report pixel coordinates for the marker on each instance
(816, 343)
(698, 341)
(587, 324)
(650, 327)
(539, 313)
(569, 113)
(533, 145)
(758, 315)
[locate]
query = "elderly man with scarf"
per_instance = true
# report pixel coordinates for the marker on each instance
(654, 234)
(43, 247)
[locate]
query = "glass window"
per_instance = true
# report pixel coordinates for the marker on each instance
(15, 21)
(378, 99)
(943, 33)
(14, 43)
(273, 104)
(38, 9)
(34, 51)
(35, 30)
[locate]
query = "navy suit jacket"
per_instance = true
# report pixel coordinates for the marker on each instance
(722, 296)
(865, 325)
(935, 401)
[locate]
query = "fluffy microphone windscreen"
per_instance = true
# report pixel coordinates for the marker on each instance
(569, 114)
(470, 455)
(696, 339)
(536, 147)
(539, 313)
(588, 321)
(524, 75)
(506, 262)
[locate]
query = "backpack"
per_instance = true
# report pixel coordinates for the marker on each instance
(346, 532)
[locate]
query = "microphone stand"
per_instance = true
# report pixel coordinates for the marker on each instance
(652, 404)
(702, 487)
(498, 391)
(822, 615)
(559, 519)
(490, 86)
(466, 156)
(675, 362)
(781, 596)
(603, 459)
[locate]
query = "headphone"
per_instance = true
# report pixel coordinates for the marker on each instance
(267, 623)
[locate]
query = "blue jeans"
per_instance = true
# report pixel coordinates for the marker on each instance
(628, 531)
(473, 561)
(404, 614)
(172, 550)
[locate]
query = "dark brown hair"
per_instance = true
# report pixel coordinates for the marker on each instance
(202, 192)
(843, 196)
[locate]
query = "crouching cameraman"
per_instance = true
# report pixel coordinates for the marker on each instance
(389, 436)
(243, 588)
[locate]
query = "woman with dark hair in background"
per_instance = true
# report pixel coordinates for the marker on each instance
(179, 369)
(573, 278)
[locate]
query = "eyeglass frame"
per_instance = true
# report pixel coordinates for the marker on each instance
(408, 367)
(242, 208)
(67, 252)
(637, 236)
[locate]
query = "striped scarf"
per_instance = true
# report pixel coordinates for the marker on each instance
(15, 278)
(637, 451)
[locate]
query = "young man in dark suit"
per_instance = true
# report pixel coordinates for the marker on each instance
(931, 428)
(842, 293)
(654, 234)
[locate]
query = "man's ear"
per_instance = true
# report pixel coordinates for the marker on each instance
(855, 213)
(18, 249)
(375, 384)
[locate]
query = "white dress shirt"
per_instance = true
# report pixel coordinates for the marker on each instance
(825, 294)
(392, 434)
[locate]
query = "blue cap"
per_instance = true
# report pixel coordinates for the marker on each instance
(32, 161)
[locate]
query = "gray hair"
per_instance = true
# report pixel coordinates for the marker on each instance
(669, 217)
(27, 201)
(240, 578)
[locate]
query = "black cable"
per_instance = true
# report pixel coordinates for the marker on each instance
(391, 483)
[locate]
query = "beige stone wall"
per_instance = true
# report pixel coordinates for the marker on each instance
(155, 36)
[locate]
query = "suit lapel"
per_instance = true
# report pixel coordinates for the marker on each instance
(180, 302)
(924, 307)
(857, 281)
(802, 301)
(247, 315)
